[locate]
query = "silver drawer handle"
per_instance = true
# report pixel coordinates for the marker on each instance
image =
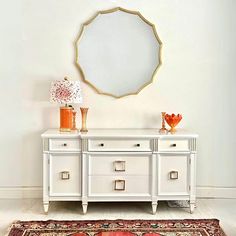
(119, 185)
(174, 174)
(119, 165)
(173, 145)
(65, 175)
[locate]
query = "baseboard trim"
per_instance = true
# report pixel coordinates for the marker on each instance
(216, 192)
(20, 192)
(37, 192)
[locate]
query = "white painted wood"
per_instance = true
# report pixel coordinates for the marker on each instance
(135, 145)
(85, 207)
(45, 206)
(21, 192)
(67, 163)
(126, 198)
(119, 164)
(66, 197)
(46, 181)
(125, 134)
(171, 145)
(179, 164)
(84, 182)
(192, 207)
(55, 133)
(192, 168)
(133, 186)
(154, 207)
(173, 197)
(64, 144)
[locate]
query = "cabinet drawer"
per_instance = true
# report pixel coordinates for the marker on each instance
(173, 174)
(64, 144)
(119, 145)
(117, 164)
(118, 186)
(65, 175)
(173, 145)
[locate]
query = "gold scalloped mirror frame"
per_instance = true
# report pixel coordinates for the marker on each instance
(111, 11)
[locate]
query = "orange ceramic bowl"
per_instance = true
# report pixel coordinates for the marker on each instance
(173, 120)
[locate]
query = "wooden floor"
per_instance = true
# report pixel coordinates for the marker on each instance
(31, 209)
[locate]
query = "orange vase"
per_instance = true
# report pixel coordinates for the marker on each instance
(173, 120)
(66, 119)
(74, 120)
(84, 111)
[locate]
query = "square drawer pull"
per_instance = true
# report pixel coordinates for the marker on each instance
(65, 175)
(174, 174)
(119, 185)
(119, 165)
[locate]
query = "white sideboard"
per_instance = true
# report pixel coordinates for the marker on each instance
(119, 165)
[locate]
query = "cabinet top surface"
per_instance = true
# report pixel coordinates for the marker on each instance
(121, 133)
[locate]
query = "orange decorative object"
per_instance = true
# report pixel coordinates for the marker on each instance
(74, 120)
(84, 111)
(66, 119)
(163, 129)
(172, 121)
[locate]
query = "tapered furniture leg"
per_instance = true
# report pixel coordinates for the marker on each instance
(192, 207)
(154, 207)
(85, 206)
(45, 207)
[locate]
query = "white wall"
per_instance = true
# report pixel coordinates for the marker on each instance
(197, 79)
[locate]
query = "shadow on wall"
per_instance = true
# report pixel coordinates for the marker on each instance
(49, 111)
(31, 146)
(50, 117)
(152, 121)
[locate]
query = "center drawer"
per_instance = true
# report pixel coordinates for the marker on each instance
(123, 164)
(104, 145)
(119, 186)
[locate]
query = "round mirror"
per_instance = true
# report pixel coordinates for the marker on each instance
(118, 52)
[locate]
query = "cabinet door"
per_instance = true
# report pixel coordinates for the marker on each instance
(173, 174)
(65, 175)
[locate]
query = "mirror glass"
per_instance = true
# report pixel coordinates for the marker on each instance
(118, 52)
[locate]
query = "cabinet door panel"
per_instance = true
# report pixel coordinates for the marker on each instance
(65, 175)
(173, 174)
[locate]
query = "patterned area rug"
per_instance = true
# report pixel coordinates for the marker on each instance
(118, 228)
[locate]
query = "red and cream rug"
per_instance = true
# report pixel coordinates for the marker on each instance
(117, 228)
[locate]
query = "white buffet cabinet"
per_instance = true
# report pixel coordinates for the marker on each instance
(119, 165)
